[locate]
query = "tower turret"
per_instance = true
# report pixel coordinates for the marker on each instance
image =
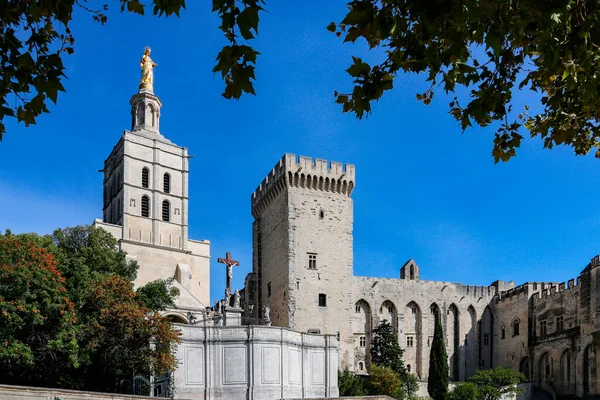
(303, 219)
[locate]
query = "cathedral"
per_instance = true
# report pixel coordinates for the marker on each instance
(303, 314)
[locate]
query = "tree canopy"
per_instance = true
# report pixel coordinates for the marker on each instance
(70, 317)
(483, 53)
(385, 349)
(488, 384)
(439, 372)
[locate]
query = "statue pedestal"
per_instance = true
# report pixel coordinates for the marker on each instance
(232, 316)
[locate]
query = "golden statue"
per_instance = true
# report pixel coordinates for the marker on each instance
(147, 66)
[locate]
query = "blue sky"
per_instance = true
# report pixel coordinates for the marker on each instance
(424, 190)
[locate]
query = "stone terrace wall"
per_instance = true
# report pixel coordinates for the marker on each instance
(8, 392)
(255, 362)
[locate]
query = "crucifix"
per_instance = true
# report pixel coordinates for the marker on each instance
(229, 264)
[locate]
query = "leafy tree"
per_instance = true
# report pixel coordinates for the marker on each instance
(115, 330)
(439, 373)
(464, 391)
(385, 349)
(384, 380)
(351, 384)
(158, 295)
(480, 51)
(38, 324)
(494, 384)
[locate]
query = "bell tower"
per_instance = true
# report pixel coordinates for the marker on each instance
(146, 200)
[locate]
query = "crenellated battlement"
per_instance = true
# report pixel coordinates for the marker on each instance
(525, 291)
(304, 172)
(558, 289)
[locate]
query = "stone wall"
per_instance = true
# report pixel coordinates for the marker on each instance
(8, 392)
(255, 362)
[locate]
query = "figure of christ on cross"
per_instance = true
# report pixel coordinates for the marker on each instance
(229, 264)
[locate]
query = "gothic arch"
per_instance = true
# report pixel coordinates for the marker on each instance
(453, 337)
(544, 369)
(565, 372)
(524, 367)
(470, 342)
(486, 339)
(389, 312)
(590, 374)
(177, 318)
(412, 328)
(361, 328)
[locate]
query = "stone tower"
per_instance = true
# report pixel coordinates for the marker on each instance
(146, 204)
(302, 247)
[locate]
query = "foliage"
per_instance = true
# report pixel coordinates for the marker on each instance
(385, 349)
(384, 380)
(491, 49)
(411, 385)
(118, 332)
(158, 295)
(114, 330)
(439, 372)
(34, 37)
(493, 384)
(464, 391)
(351, 384)
(37, 320)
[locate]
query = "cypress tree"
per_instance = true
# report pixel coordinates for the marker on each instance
(439, 372)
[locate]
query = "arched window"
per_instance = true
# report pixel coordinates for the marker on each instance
(167, 183)
(166, 210)
(145, 177)
(145, 206)
(516, 327)
(361, 365)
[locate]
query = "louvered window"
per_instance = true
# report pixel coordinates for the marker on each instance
(145, 206)
(145, 177)
(166, 211)
(167, 183)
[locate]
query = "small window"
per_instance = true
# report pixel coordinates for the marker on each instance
(314, 331)
(321, 214)
(297, 284)
(145, 177)
(312, 260)
(559, 324)
(410, 341)
(363, 341)
(516, 328)
(145, 206)
(322, 300)
(390, 308)
(166, 211)
(361, 366)
(167, 183)
(486, 339)
(542, 328)
(269, 289)
(357, 308)
(408, 368)
(413, 308)
(503, 332)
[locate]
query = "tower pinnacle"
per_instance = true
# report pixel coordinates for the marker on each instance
(145, 105)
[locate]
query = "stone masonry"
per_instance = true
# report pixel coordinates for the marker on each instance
(303, 269)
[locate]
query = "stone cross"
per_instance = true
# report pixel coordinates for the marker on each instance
(229, 264)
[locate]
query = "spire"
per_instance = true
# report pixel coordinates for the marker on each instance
(145, 105)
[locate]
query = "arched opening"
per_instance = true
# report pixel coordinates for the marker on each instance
(516, 327)
(167, 183)
(145, 206)
(453, 335)
(388, 312)
(152, 114)
(413, 336)
(145, 177)
(524, 367)
(177, 319)
(141, 114)
(412, 272)
(544, 369)
(565, 372)
(470, 343)
(361, 328)
(166, 210)
(486, 339)
(589, 371)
